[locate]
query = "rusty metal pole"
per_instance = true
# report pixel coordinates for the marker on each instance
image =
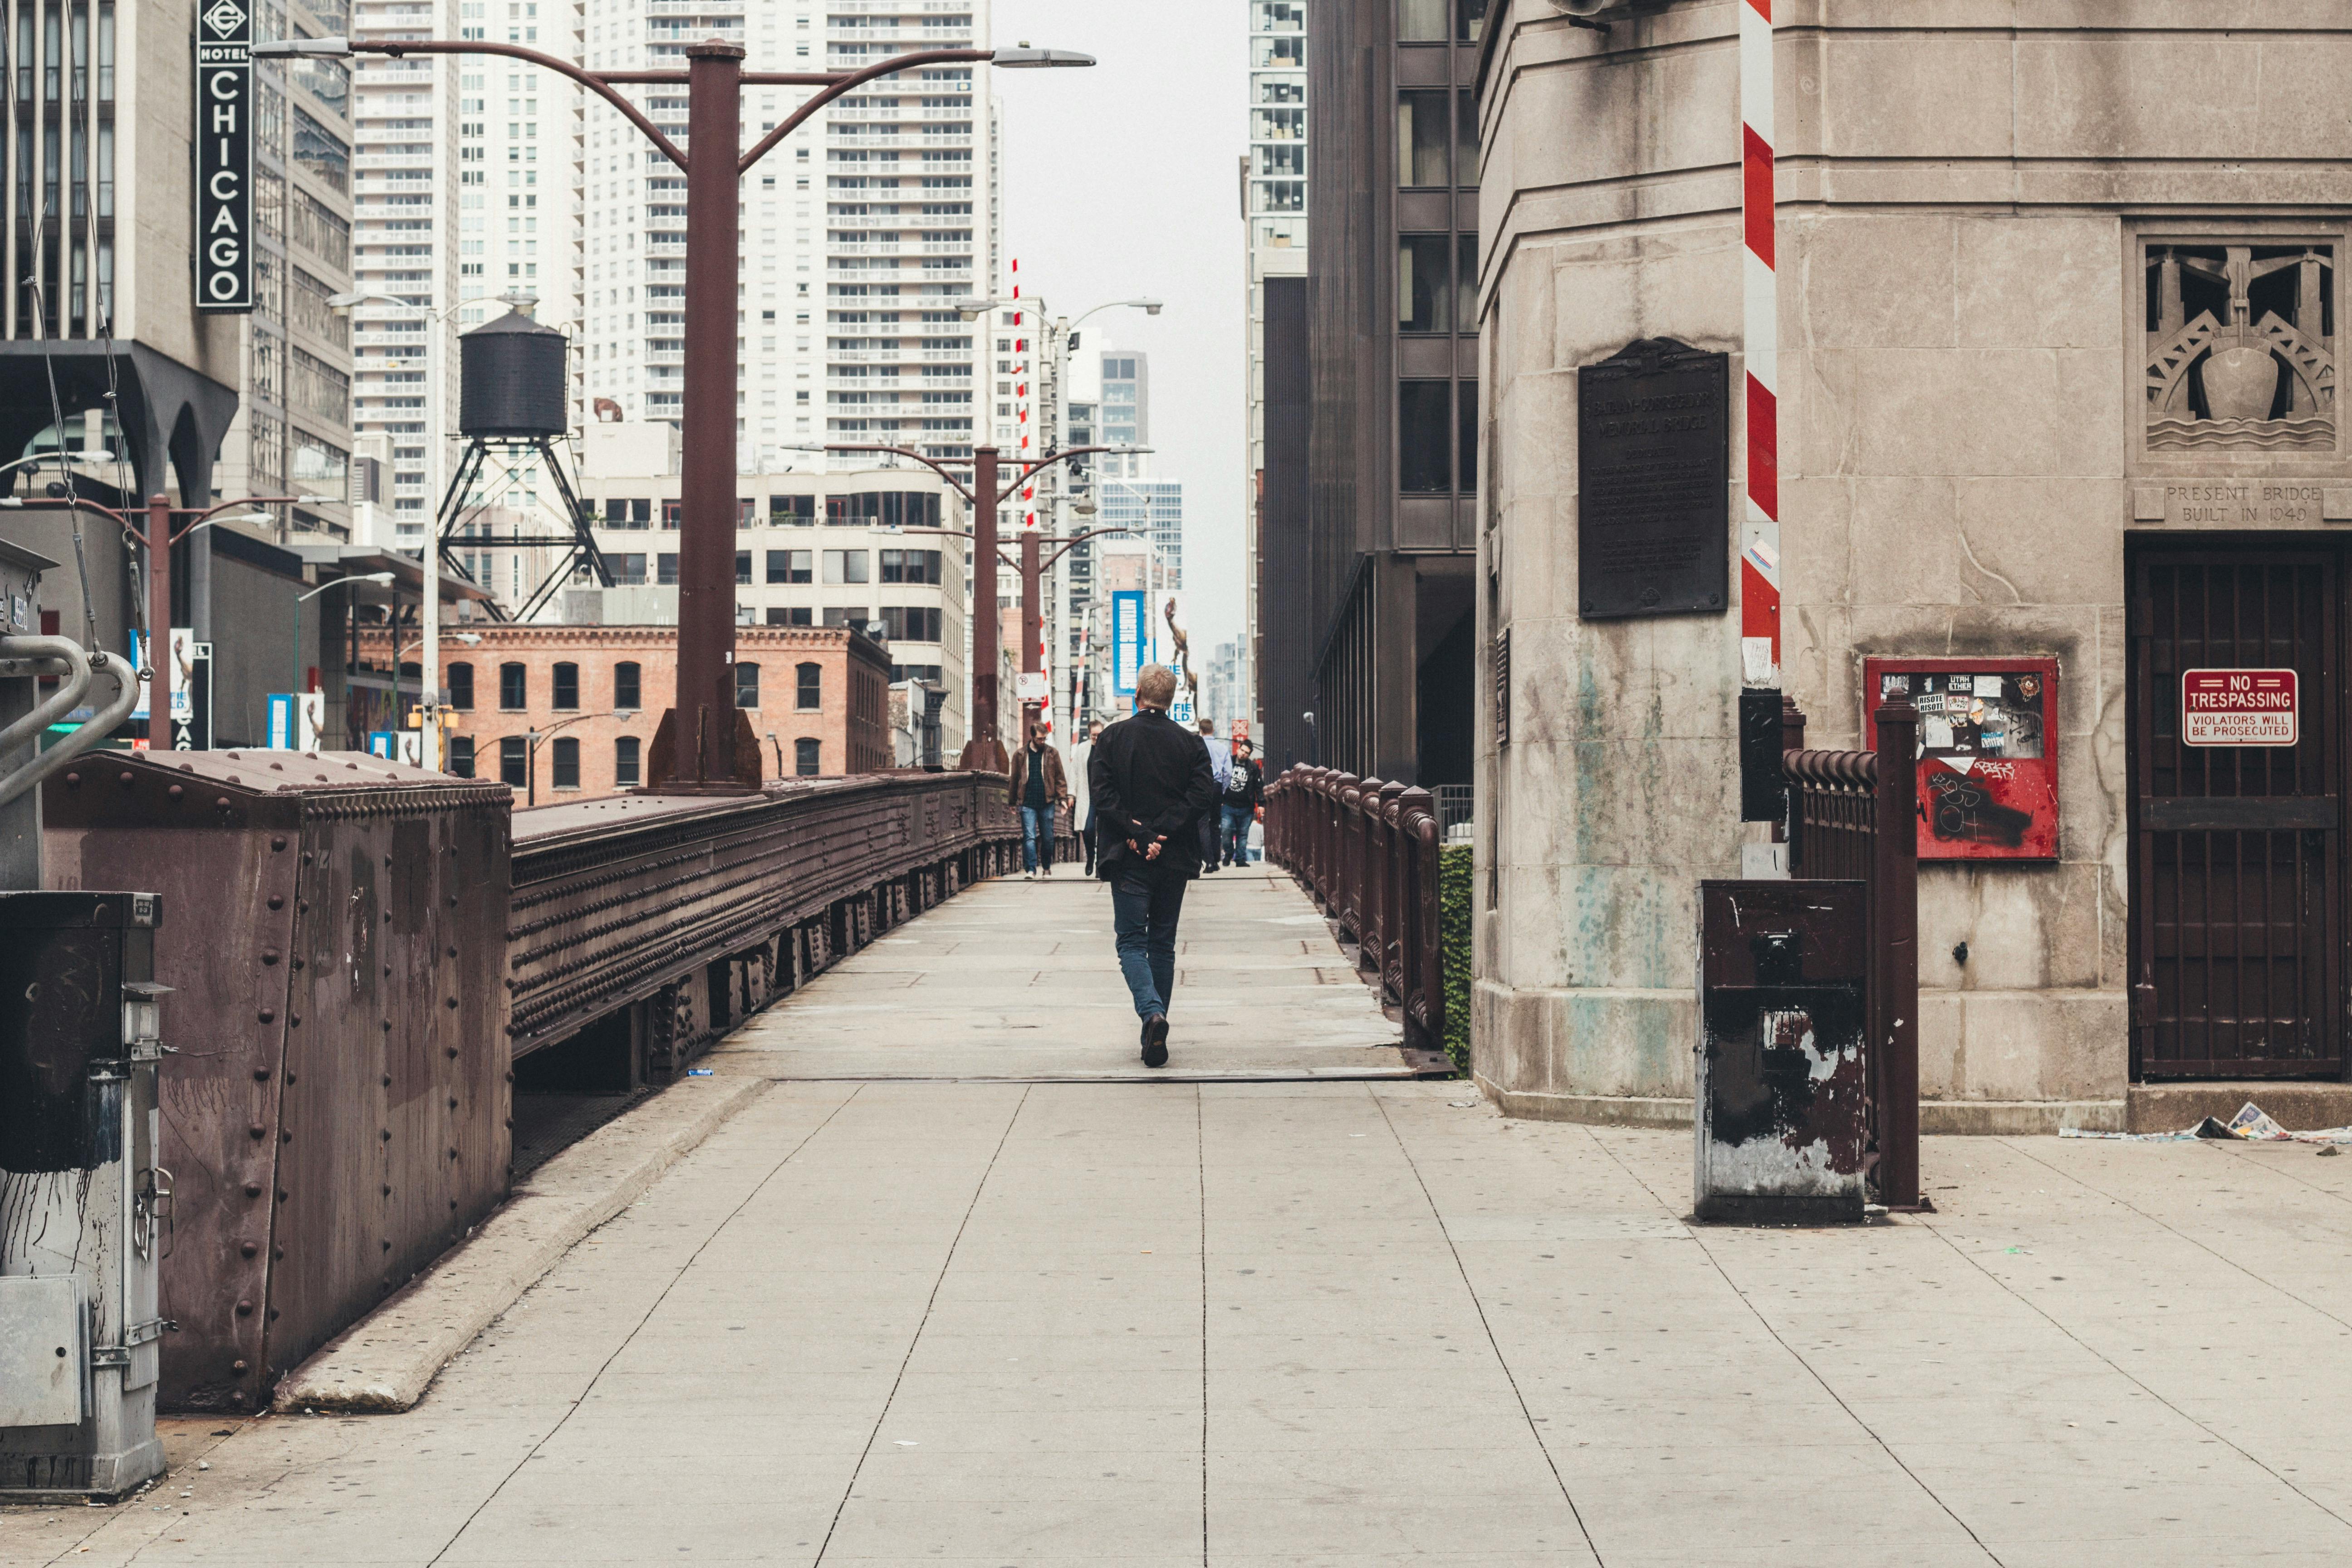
(1896, 881)
(703, 737)
(1033, 621)
(159, 620)
(984, 750)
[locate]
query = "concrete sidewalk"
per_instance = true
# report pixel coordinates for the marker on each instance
(1019, 980)
(1346, 1323)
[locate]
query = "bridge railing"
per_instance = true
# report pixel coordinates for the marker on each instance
(1365, 851)
(364, 954)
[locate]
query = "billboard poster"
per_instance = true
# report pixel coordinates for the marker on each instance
(1130, 640)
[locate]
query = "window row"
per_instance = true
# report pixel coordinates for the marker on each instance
(1436, 21)
(516, 757)
(885, 508)
(842, 566)
(628, 683)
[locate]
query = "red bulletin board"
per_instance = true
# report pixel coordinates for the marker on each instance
(1988, 753)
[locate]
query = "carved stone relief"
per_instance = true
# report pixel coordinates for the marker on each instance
(2240, 348)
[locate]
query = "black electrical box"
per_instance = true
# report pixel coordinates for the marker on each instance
(69, 964)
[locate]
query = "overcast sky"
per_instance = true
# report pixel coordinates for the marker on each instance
(1121, 182)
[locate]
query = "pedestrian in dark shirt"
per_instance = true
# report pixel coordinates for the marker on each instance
(1152, 787)
(1244, 794)
(1035, 783)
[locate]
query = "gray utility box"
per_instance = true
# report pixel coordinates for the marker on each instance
(83, 1198)
(1783, 1102)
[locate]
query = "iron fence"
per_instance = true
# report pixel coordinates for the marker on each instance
(1367, 852)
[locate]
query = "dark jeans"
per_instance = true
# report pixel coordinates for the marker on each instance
(1144, 906)
(1208, 833)
(1237, 826)
(1036, 837)
(1087, 838)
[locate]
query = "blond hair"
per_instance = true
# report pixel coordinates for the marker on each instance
(1155, 686)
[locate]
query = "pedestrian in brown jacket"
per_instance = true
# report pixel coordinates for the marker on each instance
(1036, 786)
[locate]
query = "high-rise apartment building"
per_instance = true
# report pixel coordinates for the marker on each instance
(472, 175)
(1129, 495)
(404, 245)
(859, 235)
(1273, 220)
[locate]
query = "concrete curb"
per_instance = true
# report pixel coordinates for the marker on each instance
(384, 1362)
(1938, 1118)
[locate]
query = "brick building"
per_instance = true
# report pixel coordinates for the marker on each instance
(818, 696)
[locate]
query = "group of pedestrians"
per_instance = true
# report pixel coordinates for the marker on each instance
(1161, 805)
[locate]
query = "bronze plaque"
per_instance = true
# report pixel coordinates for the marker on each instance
(1654, 481)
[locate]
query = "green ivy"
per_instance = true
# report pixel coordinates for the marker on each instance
(1454, 948)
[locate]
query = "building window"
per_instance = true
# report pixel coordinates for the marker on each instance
(513, 761)
(1466, 136)
(791, 566)
(845, 567)
(1424, 284)
(567, 686)
(806, 753)
(461, 686)
(1425, 437)
(1422, 21)
(665, 569)
(811, 687)
(910, 566)
(791, 615)
(1420, 138)
(1469, 20)
(461, 756)
(747, 685)
(628, 570)
(1466, 394)
(626, 695)
(624, 763)
(742, 569)
(567, 761)
(1466, 282)
(672, 512)
(910, 623)
(792, 511)
(514, 690)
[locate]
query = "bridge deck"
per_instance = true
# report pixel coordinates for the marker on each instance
(1018, 980)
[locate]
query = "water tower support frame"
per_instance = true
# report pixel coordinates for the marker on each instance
(579, 546)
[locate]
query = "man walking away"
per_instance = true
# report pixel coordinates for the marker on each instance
(1035, 783)
(1244, 794)
(1083, 809)
(1152, 787)
(1220, 761)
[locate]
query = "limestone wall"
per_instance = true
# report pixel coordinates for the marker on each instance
(1966, 190)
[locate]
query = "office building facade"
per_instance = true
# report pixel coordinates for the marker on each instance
(1383, 581)
(1274, 221)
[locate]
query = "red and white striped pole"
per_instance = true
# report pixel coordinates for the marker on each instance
(1759, 549)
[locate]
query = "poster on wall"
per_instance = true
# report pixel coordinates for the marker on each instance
(1988, 753)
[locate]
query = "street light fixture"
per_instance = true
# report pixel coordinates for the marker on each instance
(702, 726)
(301, 599)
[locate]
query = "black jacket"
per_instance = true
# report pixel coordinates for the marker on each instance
(1149, 778)
(1247, 788)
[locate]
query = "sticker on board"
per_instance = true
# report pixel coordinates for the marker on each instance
(1988, 755)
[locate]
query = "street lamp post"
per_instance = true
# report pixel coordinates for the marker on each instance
(985, 748)
(428, 734)
(698, 735)
(531, 742)
(157, 538)
(1061, 332)
(302, 599)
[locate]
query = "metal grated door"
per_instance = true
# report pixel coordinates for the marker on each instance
(2234, 849)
